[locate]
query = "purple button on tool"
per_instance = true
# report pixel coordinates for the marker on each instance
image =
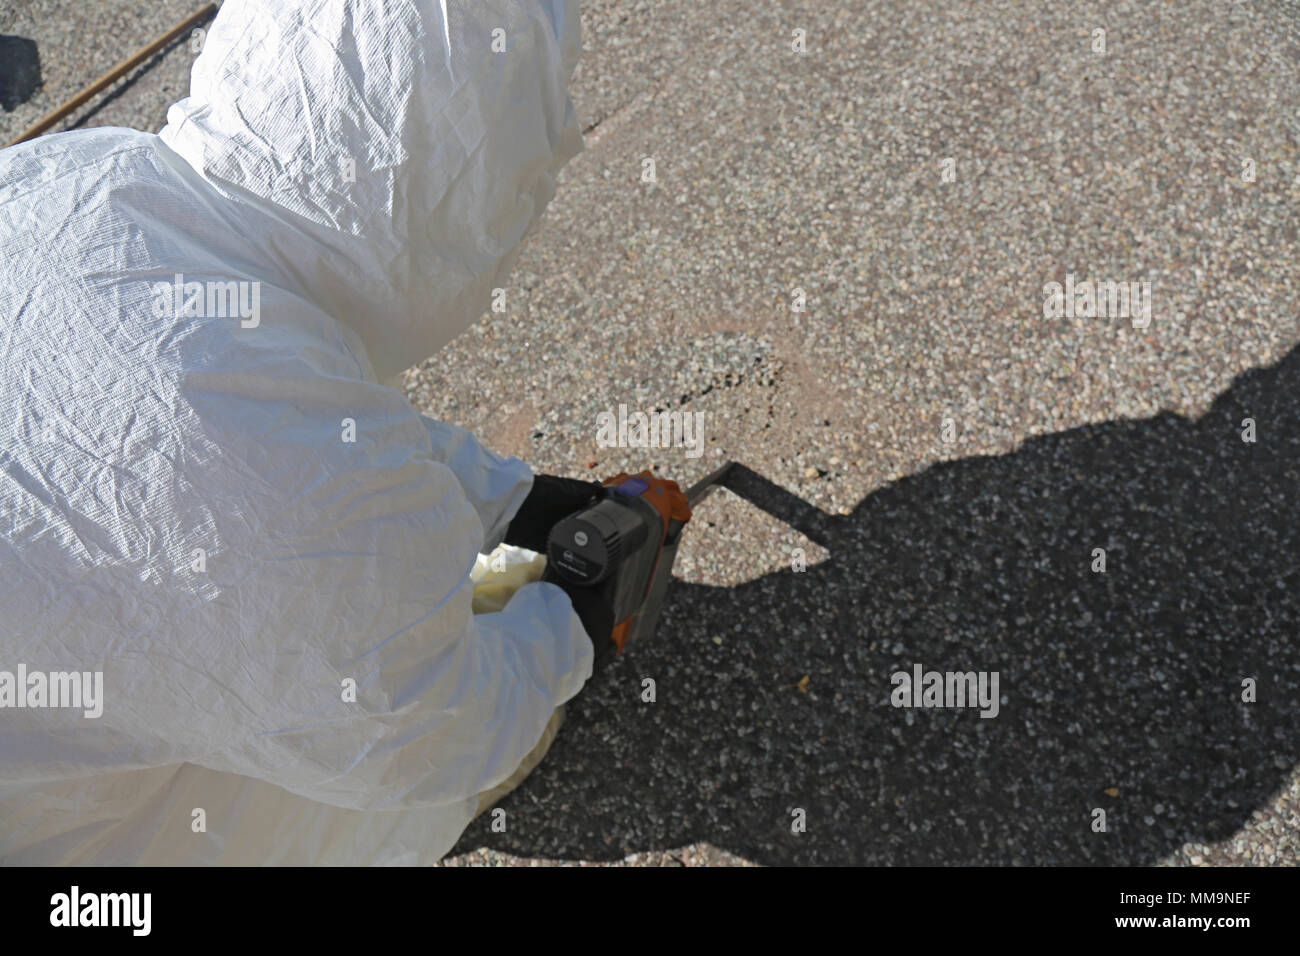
(633, 487)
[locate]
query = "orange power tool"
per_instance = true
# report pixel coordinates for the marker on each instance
(624, 545)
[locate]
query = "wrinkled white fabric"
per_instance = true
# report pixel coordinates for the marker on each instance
(230, 516)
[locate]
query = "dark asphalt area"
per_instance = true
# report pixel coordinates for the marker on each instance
(1171, 157)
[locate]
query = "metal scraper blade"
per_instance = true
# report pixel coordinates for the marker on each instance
(702, 488)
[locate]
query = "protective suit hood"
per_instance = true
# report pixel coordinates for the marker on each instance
(412, 177)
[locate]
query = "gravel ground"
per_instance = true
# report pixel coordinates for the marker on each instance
(77, 41)
(823, 171)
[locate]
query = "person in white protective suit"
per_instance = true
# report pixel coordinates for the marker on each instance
(211, 495)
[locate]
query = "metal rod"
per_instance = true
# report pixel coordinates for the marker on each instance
(116, 73)
(702, 488)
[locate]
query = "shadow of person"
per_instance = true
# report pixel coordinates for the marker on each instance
(20, 71)
(1121, 690)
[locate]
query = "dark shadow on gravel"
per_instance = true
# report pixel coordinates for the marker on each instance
(20, 71)
(1130, 680)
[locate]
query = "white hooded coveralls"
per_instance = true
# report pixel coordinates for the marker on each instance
(180, 508)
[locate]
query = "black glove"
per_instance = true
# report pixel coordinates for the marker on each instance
(594, 608)
(550, 501)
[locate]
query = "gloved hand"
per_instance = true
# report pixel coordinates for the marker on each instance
(551, 500)
(593, 607)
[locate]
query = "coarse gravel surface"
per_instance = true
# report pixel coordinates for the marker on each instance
(1170, 158)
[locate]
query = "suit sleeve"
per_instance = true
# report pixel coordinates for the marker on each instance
(495, 486)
